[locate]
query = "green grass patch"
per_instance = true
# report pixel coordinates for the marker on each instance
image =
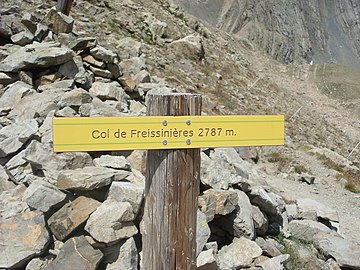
(278, 158)
(330, 163)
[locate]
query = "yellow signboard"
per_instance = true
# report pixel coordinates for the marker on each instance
(166, 132)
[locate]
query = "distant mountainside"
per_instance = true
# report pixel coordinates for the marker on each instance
(322, 31)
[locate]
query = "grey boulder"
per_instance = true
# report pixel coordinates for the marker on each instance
(111, 222)
(76, 253)
(42, 195)
(23, 236)
(37, 55)
(87, 178)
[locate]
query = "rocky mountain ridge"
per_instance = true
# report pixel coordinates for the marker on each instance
(110, 76)
(290, 31)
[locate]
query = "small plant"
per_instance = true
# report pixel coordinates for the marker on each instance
(352, 178)
(299, 169)
(329, 163)
(289, 246)
(276, 157)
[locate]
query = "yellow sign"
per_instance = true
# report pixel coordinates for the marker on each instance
(166, 132)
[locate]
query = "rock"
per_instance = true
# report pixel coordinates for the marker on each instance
(206, 260)
(122, 256)
(345, 252)
(5, 184)
(101, 72)
(75, 98)
(8, 78)
(132, 66)
(212, 245)
(42, 195)
(306, 178)
(303, 256)
(121, 106)
(292, 211)
(36, 105)
(261, 222)
(268, 247)
(305, 205)
(106, 91)
(58, 22)
(11, 202)
(82, 43)
(306, 229)
(42, 157)
(12, 95)
(202, 232)
(72, 67)
(239, 254)
(276, 263)
(127, 83)
(23, 38)
(242, 167)
(157, 28)
(92, 61)
(55, 84)
(268, 202)
(115, 162)
(66, 112)
(29, 21)
(5, 26)
(217, 202)
(41, 32)
(14, 136)
(249, 153)
(87, 178)
(115, 69)
(215, 172)
(85, 79)
(23, 236)
(75, 69)
(137, 159)
(37, 55)
(128, 48)
(127, 192)
(98, 108)
(39, 263)
(137, 108)
(142, 77)
(190, 46)
(76, 253)
(337, 160)
(46, 129)
(18, 169)
(46, 80)
(26, 77)
(71, 216)
(240, 222)
(103, 54)
(331, 264)
(111, 222)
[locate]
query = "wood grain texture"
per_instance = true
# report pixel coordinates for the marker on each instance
(172, 188)
(64, 6)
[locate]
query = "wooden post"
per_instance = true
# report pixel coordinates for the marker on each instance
(64, 6)
(172, 188)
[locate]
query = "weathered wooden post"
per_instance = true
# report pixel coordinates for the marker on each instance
(172, 188)
(64, 6)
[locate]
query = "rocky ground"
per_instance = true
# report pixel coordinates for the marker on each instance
(259, 208)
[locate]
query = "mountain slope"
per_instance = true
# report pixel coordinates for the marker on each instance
(290, 31)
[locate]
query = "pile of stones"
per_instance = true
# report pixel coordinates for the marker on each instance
(83, 210)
